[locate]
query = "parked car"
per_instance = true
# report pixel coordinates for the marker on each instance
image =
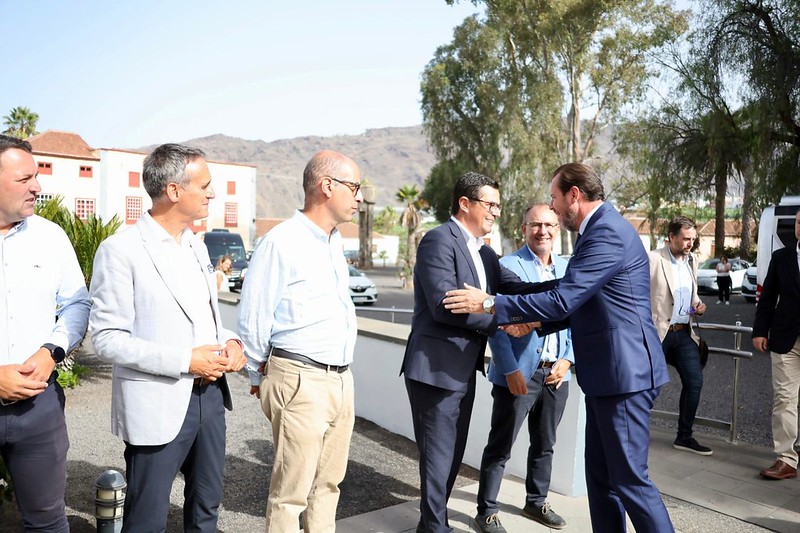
(362, 290)
(750, 284)
(707, 275)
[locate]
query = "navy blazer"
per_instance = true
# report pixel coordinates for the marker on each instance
(605, 292)
(778, 309)
(510, 354)
(445, 349)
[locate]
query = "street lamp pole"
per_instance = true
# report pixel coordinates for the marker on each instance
(365, 226)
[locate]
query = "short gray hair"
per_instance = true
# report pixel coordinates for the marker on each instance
(325, 163)
(167, 164)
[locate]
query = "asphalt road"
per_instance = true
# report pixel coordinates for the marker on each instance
(755, 388)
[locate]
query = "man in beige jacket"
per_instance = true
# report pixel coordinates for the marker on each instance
(673, 298)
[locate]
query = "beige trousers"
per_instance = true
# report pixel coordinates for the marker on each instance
(312, 413)
(785, 387)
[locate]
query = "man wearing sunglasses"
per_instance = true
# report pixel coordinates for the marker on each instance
(673, 297)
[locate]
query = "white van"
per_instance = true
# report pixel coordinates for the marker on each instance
(775, 231)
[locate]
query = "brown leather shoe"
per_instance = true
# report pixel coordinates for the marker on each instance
(779, 470)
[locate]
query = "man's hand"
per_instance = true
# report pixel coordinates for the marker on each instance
(236, 358)
(520, 330)
(467, 300)
(43, 365)
(208, 362)
(16, 383)
(517, 384)
(760, 344)
(255, 390)
(557, 373)
(699, 308)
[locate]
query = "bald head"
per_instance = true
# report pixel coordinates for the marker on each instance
(326, 163)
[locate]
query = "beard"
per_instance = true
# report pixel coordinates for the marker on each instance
(570, 221)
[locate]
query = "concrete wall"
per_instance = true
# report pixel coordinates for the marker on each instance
(381, 398)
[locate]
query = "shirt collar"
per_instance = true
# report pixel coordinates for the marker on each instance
(588, 218)
(315, 230)
(471, 240)
(538, 262)
(16, 228)
(161, 233)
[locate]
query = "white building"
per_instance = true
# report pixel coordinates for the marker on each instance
(107, 182)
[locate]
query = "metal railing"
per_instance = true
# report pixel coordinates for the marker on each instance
(737, 354)
(392, 310)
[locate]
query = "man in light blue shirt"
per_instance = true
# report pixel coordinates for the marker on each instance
(298, 325)
(530, 377)
(43, 315)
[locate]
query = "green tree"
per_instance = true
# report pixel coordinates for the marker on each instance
(21, 123)
(495, 98)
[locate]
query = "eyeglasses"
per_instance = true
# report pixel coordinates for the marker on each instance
(540, 225)
(352, 185)
(491, 206)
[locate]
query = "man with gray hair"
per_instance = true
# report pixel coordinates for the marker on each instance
(40, 321)
(155, 317)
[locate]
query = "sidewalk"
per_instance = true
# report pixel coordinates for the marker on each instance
(722, 492)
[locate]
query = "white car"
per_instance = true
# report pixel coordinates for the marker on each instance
(362, 290)
(750, 283)
(707, 275)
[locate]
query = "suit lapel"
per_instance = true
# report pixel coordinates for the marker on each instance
(666, 268)
(211, 285)
(526, 262)
(461, 245)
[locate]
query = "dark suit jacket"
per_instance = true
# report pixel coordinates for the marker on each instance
(605, 292)
(778, 309)
(445, 349)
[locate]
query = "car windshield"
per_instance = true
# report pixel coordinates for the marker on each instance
(354, 272)
(709, 264)
(237, 252)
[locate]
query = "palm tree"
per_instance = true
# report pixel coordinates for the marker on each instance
(21, 123)
(410, 220)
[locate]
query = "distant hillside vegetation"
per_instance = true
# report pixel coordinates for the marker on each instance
(388, 157)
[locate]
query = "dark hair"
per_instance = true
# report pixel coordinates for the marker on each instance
(580, 176)
(7, 143)
(678, 223)
(469, 185)
(167, 164)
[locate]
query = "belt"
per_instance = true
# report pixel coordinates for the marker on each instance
(50, 381)
(201, 382)
(283, 354)
(545, 364)
(677, 327)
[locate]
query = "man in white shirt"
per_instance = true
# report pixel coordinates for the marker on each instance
(674, 300)
(296, 319)
(155, 317)
(43, 315)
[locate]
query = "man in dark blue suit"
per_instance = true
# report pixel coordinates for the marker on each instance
(620, 366)
(444, 350)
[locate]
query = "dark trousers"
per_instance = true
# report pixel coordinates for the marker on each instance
(198, 452)
(682, 353)
(724, 287)
(34, 444)
(617, 445)
(441, 422)
(543, 406)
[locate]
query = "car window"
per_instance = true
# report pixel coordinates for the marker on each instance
(354, 271)
(709, 264)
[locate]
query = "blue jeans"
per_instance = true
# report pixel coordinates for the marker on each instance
(682, 353)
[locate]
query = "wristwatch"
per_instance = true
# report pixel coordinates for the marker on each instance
(488, 305)
(56, 352)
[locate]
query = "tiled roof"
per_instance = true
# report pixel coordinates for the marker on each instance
(642, 224)
(733, 228)
(62, 143)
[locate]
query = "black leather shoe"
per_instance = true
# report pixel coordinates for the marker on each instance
(544, 515)
(489, 524)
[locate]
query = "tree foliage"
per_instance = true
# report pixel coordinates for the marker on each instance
(506, 97)
(21, 123)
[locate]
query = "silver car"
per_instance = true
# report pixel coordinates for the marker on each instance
(707, 275)
(362, 290)
(750, 283)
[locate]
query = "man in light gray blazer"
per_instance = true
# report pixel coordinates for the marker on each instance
(155, 317)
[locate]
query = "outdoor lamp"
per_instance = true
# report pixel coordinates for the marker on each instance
(109, 501)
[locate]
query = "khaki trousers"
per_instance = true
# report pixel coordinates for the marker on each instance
(312, 413)
(785, 387)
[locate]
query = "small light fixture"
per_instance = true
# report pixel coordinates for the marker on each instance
(110, 501)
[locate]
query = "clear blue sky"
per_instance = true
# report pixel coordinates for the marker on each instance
(127, 74)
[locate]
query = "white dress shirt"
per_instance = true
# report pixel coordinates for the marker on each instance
(44, 296)
(550, 342)
(682, 290)
(297, 297)
(474, 244)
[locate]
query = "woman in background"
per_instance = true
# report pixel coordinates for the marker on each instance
(724, 280)
(223, 271)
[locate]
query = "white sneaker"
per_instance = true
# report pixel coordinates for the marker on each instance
(727, 303)
(719, 302)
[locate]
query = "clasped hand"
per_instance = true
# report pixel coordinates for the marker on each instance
(211, 361)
